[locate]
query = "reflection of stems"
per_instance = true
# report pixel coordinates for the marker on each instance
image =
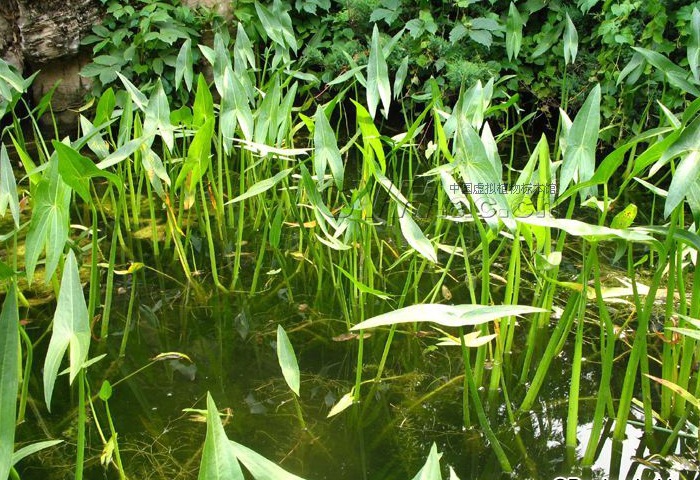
(125, 338)
(117, 457)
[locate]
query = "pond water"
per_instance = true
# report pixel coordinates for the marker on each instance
(230, 339)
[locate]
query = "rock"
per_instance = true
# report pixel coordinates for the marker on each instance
(45, 35)
(222, 7)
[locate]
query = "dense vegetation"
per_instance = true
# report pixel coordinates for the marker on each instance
(383, 168)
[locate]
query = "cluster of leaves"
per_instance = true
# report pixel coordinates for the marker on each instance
(461, 41)
(554, 50)
(142, 40)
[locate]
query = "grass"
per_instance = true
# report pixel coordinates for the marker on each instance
(262, 189)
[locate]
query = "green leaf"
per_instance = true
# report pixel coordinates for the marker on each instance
(344, 403)
(400, 78)
(136, 95)
(48, 229)
(377, 77)
(183, 66)
(157, 117)
(260, 467)
(155, 170)
(582, 140)
(693, 52)
(326, 149)
(242, 51)
(262, 186)
(676, 76)
(105, 392)
(547, 41)
(8, 189)
(9, 378)
(431, 469)
(446, 315)
(588, 231)
(277, 25)
(235, 109)
(570, 41)
(625, 218)
(203, 107)
(288, 360)
(218, 456)
(71, 327)
(684, 177)
(416, 238)
(484, 37)
(197, 162)
(514, 32)
(31, 449)
(370, 135)
(677, 389)
(458, 32)
(77, 170)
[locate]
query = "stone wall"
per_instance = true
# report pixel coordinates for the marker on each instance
(45, 36)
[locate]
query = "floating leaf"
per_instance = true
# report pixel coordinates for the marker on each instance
(446, 315)
(288, 360)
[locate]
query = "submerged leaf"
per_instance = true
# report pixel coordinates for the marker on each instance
(344, 403)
